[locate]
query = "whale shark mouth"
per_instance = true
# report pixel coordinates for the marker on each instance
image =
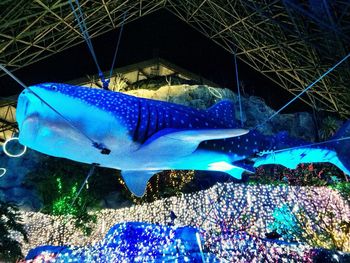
(29, 127)
(28, 109)
(21, 110)
(25, 107)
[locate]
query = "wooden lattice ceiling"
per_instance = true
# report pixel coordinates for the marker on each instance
(292, 42)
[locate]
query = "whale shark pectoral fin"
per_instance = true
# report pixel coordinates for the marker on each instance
(136, 181)
(205, 134)
(173, 142)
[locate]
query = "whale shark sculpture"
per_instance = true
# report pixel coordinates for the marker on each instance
(144, 136)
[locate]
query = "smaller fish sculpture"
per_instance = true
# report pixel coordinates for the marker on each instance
(257, 149)
(336, 151)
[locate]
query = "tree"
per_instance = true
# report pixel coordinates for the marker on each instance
(318, 218)
(329, 127)
(10, 221)
(72, 206)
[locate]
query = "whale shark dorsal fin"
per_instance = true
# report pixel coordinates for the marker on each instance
(136, 181)
(176, 142)
(224, 111)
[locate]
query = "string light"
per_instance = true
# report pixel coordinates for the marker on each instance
(234, 230)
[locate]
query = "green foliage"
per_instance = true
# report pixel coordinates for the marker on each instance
(44, 180)
(324, 174)
(304, 175)
(70, 205)
(343, 188)
(57, 182)
(328, 128)
(320, 228)
(10, 221)
(63, 205)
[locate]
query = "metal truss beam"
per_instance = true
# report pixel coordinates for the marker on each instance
(33, 30)
(292, 42)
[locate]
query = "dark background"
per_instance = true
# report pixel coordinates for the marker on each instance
(163, 35)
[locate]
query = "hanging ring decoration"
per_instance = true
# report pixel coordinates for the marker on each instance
(2, 172)
(214, 92)
(10, 154)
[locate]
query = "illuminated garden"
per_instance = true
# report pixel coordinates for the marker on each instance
(232, 145)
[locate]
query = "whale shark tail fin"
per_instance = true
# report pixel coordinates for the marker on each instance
(224, 111)
(341, 144)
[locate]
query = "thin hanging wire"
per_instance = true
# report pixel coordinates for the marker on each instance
(117, 47)
(306, 89)
(238, 90)
(309, 145)
(91, 172)
(79, 16)
(224, 186)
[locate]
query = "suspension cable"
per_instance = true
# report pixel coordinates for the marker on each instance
(79, 16)
(238, 90)
(117, 47)
(306, 89)
(308, 145)
(91, 172)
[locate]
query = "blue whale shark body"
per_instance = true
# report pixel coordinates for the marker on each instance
(147, 136)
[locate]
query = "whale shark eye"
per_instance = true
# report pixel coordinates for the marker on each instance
(54, 88)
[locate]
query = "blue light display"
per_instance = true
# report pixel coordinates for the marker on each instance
(133, 242)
